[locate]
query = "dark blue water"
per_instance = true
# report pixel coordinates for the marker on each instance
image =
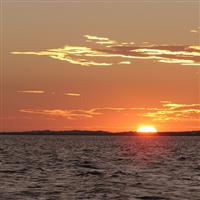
(104, 167)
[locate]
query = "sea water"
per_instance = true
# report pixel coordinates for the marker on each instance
(99, 167)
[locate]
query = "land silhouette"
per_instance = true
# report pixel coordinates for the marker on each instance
(98, 133)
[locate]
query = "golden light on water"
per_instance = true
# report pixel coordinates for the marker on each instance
(146, 129)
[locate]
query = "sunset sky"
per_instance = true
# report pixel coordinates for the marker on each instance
(100, 65)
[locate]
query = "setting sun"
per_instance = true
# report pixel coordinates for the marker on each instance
(146, 129)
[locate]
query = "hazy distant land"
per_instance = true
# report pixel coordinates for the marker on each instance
(98, 133)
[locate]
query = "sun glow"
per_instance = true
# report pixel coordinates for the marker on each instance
(146, 129)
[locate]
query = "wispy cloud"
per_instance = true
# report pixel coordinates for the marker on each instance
(165, 112)
(88, 56)
(99, 40)
(92, 37)
(79, 113)
(175, 111)
(124, 63)
(195, 30)
(72, 54)
(32, 91)
(69, 114)
(72, 94)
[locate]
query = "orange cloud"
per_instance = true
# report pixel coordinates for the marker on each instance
(81, 55)
(32, 91)
(167, 111)
(124, 63)
(174, 111)
(69, 114)
(72, 54)
(91, 37)
(72, 94)
(99, 40)
(195, 30)
(79, 113)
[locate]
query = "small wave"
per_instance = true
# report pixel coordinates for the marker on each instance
(152, 198)
(93, 172)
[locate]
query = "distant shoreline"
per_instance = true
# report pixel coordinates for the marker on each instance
(96, 133)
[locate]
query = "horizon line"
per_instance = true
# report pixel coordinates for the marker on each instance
(85, 130)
